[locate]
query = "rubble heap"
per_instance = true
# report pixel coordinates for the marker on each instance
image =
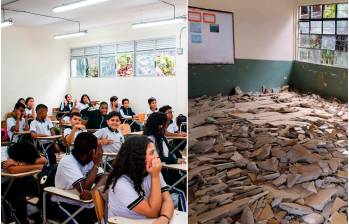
(272, 157)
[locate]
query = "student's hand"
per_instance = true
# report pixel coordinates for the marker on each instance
(161, 220)
(183, 134)
(75, 102)
(181, 161)
(85, 195)
(79, 126)
(65, 102)
(18, 114)
(7, 163)
(105, 141)
(97, 155)
(155, 167)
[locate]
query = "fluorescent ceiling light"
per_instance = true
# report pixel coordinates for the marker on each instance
(67, 35)
(159, 22)
(6, 23)
(75, 5)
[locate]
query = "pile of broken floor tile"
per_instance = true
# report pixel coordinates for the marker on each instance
(267, 158)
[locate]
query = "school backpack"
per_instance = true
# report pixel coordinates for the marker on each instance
(4, 135)
(182, 120)
(46, 178)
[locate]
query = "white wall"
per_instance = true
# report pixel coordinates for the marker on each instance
(262, 29)
(167, 90)
(32, 64)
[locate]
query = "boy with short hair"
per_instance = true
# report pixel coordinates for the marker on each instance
(114, 104)
(172, 128)
(18, 122)
(127, 114)
(96, 118)
(153, 106)
(76, 128)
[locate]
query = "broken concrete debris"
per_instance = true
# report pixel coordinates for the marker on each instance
(270, 157)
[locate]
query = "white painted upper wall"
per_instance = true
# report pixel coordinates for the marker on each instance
(32, 64)
(262, 29)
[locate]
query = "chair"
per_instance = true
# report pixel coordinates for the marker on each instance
(9, 114)
(125, 129)
(99, 203)
(183, 126)
(140, 118)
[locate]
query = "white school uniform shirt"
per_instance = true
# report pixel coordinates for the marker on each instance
(41, 127)
(123, 197)
(67, 132)
(82, 106)
(28, 111)
(11, 122)
(69, 173)
(164, 146)
(66, 119)
(116, 136)
(172, 127)
(117, 109)
(123, 115)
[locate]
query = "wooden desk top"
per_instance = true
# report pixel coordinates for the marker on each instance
(52, 137)
(180, 167)
(136, 133)
(21, 132)
(18, 175)
(178, 218)
(92, 130)
(111, 154)
(69, 194)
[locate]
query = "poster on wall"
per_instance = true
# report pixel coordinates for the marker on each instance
(214, 28)
(195, 27)
(194, 16)
(209, 18)
(196, 38)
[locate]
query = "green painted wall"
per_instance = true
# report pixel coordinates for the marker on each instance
(324, 80)
(250, 75)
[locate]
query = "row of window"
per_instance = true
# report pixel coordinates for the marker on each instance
(135, 58)
(323, 34)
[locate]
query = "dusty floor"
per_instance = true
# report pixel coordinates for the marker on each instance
(267, 158)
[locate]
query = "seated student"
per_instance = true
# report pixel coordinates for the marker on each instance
(76, 128)
(84, 103)
(136, 188)
(66, 117)
(42, 127)
(17, 122)
(21, 100)
(30, 108)
(114, 104)
(155, 129)
(127, 114)
(96, 119)
(79, 171)
(67, 104)
(153, 105)
(19, 158)
(172, 128)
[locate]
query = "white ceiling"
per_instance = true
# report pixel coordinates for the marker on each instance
(102, 14)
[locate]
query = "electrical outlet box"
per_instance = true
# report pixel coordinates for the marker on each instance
(179, 51)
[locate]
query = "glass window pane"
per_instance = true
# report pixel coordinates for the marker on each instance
(342, 43)
(341, 59)
(78, 67)
(165, 63)
(304, 41)
(145, 63)
(315, 41)
(342, 11)
(304, 12)
(328, 42)
(303, 54)
(328, 27)
(316, 11)
(329, 11)
(327, 57)
(315, 56)
(304, 27)
(125, 64)
(342, 27)
(92, 66)
(315, 27)
(108, 66)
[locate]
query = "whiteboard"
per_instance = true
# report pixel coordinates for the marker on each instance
(211, 36)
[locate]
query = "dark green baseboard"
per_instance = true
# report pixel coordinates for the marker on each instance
(326, 81)
(250, 75)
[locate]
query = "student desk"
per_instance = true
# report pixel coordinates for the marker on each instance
(136, 133)
(183, 140)
(92, 130)
(19, 133)
(107, 155)
(178, 218)
(55, 123)
(12, 177)
(69, 194)
(179, 167)
(47, 139)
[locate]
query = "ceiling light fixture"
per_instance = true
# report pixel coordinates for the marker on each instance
(160, 22)
(75, 5)
(67, 35)
(6, 23)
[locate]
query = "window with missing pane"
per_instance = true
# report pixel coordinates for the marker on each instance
(323, 34)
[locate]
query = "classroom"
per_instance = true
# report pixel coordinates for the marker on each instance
(94, 98)
(268, 111)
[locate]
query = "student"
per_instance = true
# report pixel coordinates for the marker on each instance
(136, 188)
(153, 106)
(21, 100)
(30, 107)
(76, 128)
(18, 122)
(84, 103)
(66, 117)
(96, 118)
(114, 105)
(155, 129)
(19, 158)
(127, 114)
(67, 104)
(172, 128)
(42, 127)
(79, 171)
